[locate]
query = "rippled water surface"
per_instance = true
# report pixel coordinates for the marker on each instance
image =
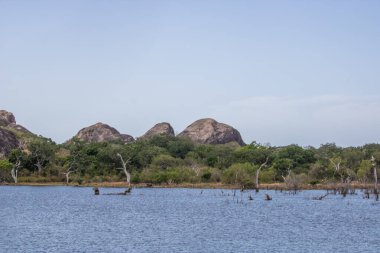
(72, 219)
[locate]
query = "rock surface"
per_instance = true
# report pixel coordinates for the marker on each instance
(7, 119)
(209, 131)
(102, 132)
(8, 141)
(127, 138)
(160, 129)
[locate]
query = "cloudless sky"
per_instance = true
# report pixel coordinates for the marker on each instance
(281, 72)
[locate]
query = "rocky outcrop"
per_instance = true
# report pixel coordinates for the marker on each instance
(7, 119)
(8, 141)
(160, 129)
(102, 132)
(209, 131)
(126, 138)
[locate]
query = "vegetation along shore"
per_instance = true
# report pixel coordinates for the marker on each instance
(207, 154)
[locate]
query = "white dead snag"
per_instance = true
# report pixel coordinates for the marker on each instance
(374, 170)
(14, 171)
(196, 169)
(67, 174)
(337, 168)
(373, 160)
(70, 170)
(124, 164)
(258, 173)
(287, 178)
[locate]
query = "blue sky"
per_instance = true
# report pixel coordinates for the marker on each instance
(281, 72)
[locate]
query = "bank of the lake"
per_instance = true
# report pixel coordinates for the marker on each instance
(273, 186)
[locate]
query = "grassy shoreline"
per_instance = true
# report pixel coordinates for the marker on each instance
(273, 186)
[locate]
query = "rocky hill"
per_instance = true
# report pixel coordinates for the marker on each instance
(209, 131)
(8, 141)
(7, 119)
(102, 132)
(160, 129)
(12, 135)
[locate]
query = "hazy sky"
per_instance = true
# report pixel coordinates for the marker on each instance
(305, 72)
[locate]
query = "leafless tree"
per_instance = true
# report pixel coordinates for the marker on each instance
(71, 169)
(67, 173)
(293, 181)
(287, 178)
(263, 165)
(195, 167)
(124, 164)
(375, 191)
(14, 171)
(336, 162)
(373, 160)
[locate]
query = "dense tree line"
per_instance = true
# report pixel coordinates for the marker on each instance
(167, 160)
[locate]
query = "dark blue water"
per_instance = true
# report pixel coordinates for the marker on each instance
(70, 219)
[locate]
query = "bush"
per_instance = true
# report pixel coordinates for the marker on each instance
(267, 176)
(314, 182)
(239, 173)
(166, 161)
(206, 176)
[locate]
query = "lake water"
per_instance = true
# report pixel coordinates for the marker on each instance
(72, 219)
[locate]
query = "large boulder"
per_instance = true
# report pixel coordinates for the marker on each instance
(209, 131)
(102, 132)
(126, 138)
(8, 141)
(160, 129)
(7, 119)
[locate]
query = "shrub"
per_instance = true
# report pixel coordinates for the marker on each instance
(239, 173)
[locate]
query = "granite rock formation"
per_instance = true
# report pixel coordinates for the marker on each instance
(102, 132)
(8, 141)
(209, 131)
(160, 129)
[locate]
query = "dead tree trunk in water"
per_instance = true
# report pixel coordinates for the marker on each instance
(258, 173)
(124, 164)
(14, 171)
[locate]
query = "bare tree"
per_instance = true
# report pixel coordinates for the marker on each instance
(195, 167)
(287, 178)
(14, 171)
(337, 167)
(293, 181)
(373, 160)
(67, 174)
(71, 168)
(124, 164)
(264, 164)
